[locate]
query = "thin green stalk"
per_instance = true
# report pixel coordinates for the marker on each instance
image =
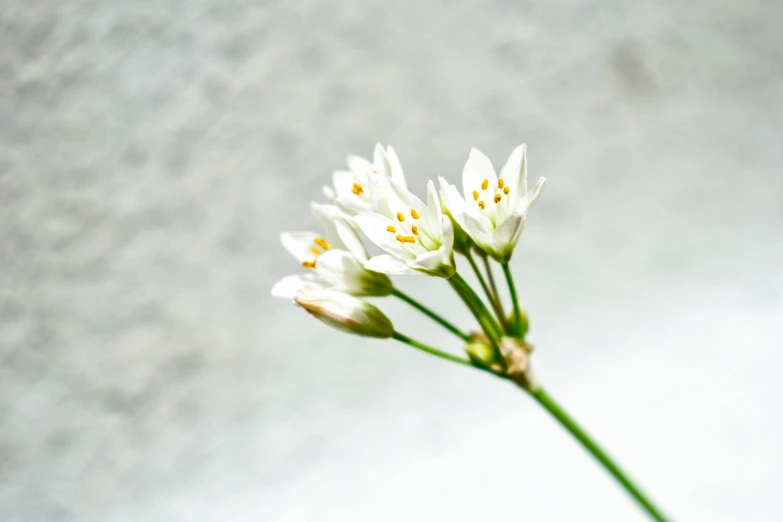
(549, 404)
(490, 296)
(438, 353)
(495, 293)
(432, 315)
(477, 307)
(513, 291)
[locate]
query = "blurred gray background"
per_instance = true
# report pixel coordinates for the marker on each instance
(152, 152)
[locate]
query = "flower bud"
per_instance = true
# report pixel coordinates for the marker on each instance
(345, 312)
(482, 354)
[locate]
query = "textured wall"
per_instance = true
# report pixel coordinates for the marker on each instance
(151, 152)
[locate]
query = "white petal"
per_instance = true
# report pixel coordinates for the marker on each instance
(506, 236)
(326, 215)
(435, 212)
(343, 182)
(514, 172)
(358, 165)
(290, 285)
(384, 200)
(299, 245)
(352, 205)
(387, 264)
(375, 227)
(337, 266)
(380, 162)
(477, 169)
(454, 204)
(477, 230)
(329, 193)
(526, 203)
(345, 312)
(396, 167)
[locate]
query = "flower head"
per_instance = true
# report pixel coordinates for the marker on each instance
(335, 259)
(345, 312)
(493, 209)
(350, 191)
(417, 236)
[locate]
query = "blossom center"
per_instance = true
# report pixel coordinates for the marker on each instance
(319, 242)
(413, 229)
(495, 193)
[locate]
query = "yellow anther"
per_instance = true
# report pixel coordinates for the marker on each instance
(315, 251)
(321, 242)
(501, 183)
(409, 239)
(484, 184)
(357, 189)
(498, 197)
(391, 229)
(506, 190)
(415, 230)
(482, 205)
(308, 264)
(475, 195)
(400, 238)
(414, 214)
(400, 217)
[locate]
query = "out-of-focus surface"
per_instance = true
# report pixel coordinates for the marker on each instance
(151, 152)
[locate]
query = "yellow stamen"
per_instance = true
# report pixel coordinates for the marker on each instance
(475, 195)
(400, 238)
(391, 229)
(315, 251)
(414, 214)
(501, 183)
(415, 230)
(484, 184)
(321, 242)
(357, 189)
(506, 190)
(309, 264)
(482, 205)
(400, 217)
(409, 239)
(498, 197)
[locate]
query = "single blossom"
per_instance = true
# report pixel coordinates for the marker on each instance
(494, 209)
(335, 259)
(345, 312)
(417, 236)
(350, 187)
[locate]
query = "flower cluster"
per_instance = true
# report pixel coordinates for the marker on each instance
(418, 236)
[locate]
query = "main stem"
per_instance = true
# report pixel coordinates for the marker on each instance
(549, 404)
(432, 315)
(513, 291)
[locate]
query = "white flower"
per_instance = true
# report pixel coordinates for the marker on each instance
(345, 312)
(493, 210)
(418, 237)
(336, 259)
(350, 186)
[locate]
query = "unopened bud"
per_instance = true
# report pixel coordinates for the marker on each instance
(484, 355)
(525, 324)
(345, 312)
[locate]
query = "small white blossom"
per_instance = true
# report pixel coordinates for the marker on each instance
(345, 312)
(350, 186)
(417, 236)
(494, 209)
(336, 259)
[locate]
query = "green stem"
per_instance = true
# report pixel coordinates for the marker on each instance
(513, 291)
(477, 307)
(432, 315)
(495, 293)
(492, 300)
(549, 404)
(438, 353)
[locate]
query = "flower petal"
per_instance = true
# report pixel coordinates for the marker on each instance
(299, 244)
(288, 286)
(530, 197)
(376, 228)
(325, 215)
(387, 264)
(359, 166)
(514, 172)
(506, 236)
(397, 174)
(477, 169)
(343, 182)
